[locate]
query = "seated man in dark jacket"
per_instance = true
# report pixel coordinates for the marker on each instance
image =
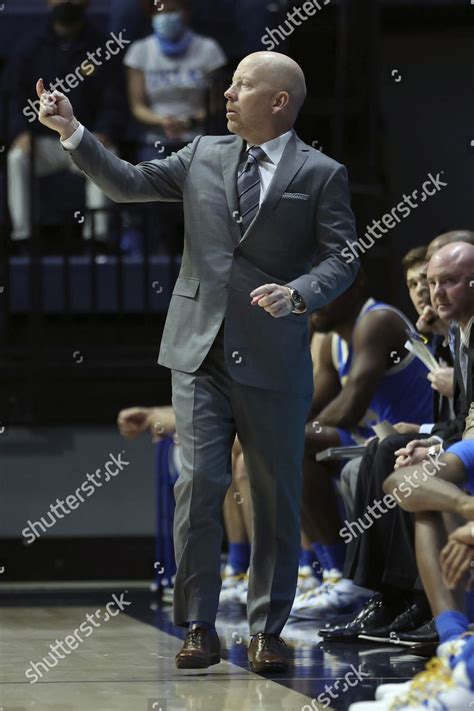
(382, 557)
(435, 495)
(73, 56)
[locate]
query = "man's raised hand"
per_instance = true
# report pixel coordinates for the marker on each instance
(56, 111)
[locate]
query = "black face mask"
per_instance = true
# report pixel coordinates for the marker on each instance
(68, 13)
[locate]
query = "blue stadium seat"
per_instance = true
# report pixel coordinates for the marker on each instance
(78, 271)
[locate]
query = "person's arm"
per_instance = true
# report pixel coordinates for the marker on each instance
(316, 344)
(137, 98)
(172, 126)
(326, 379)
(121, 181)
(375, 336)
(333, 273)
(160, 421)
(158, 180)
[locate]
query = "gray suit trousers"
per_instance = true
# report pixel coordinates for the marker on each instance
(210, 408)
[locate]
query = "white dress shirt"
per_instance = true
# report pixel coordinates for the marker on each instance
(267, 168)
(71, 143)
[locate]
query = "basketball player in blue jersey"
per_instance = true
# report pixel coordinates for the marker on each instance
(365, 376)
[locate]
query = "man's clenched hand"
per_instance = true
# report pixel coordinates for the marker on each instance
(275, 299)
(56, 111)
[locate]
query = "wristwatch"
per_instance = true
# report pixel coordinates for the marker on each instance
(297, 300)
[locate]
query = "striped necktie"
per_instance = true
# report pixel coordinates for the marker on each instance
(248, 187)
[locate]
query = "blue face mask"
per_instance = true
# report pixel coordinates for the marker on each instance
(168, 26)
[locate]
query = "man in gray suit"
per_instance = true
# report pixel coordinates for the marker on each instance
(266, 217)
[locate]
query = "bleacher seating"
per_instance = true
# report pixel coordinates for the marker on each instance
(106, 285)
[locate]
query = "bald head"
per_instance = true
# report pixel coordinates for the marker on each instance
(267, 92)
(283, 74)
(455, 254)
(450, 275)
(447, 238)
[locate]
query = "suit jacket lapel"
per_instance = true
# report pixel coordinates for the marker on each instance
(230, 158)
(293, 158)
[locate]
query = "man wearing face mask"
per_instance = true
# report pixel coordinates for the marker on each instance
(71, 55)
(168, 74)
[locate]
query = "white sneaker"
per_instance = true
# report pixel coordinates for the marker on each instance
(304, 600)
(459, 696)
(330, 597)
(445, 652)
(454, 647)
(231, 584)
(306, 580)
(437, 688)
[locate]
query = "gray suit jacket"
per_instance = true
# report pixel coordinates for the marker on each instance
(296, 239)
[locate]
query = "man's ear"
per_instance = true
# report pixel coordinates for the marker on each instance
(281, 101)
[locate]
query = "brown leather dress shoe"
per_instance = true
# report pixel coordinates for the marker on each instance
(268, 653)
(201, 649)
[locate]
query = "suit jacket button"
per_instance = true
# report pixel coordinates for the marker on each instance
(226, 286)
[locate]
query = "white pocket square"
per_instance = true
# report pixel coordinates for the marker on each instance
(295, 196)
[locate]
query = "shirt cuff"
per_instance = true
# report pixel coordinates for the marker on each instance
(426, 429)
(71, 143)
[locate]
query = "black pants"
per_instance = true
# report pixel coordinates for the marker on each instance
(384, 553)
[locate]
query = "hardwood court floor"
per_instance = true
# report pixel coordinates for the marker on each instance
(126, 663)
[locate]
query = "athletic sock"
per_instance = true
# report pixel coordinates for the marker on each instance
(239, 557)
(450, 625)
(331, 557)
(307, 558)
